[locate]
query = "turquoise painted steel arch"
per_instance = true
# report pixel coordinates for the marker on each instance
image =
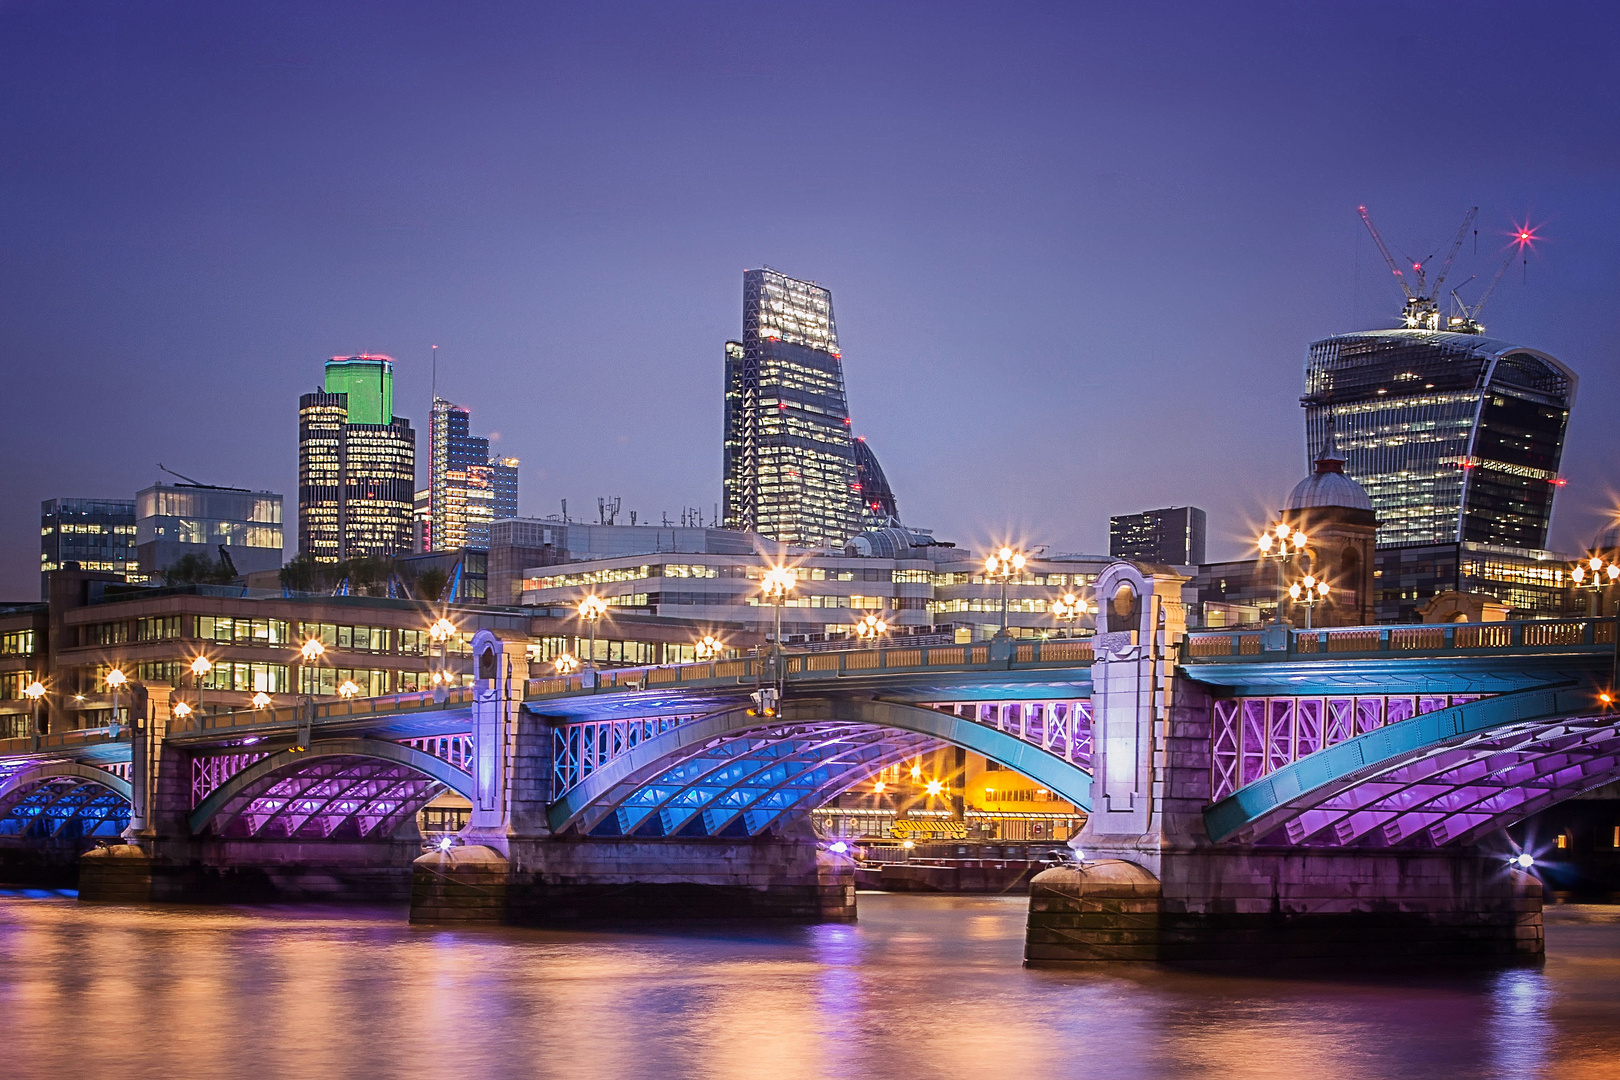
(1061, 777)
(30, 776)
(442, 771)
(1264, 804)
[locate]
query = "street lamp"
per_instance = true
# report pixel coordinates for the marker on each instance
(181, 710)
(777, 583)
(870, 627)
(1600, 573)
(1309, 592)
(35, 692)
(441, 631)
(591, 609)
(261, 700)
(1279, 542)
(1003, 565)
(311, 650)
(1070, 607)
(115, 679)
(708, 648)
(348, 689)
(566, 664)
(199, 667)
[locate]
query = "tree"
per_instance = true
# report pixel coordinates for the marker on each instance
(430, 583)
(197, 569)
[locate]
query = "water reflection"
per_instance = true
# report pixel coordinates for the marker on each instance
(921, 987)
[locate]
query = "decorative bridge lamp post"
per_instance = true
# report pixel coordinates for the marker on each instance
(311, 651)
(777, 583)
(870, 628)
(1003, 565)
(566, 664)
(591, 609)
(261, 700)
(1593, 574)
(441, 631)
(115, 680)
(1070, 607)
(708, 648)
(35, 692)
(1308, 592)
(1279, 542)
(199, 667)
(348, 689)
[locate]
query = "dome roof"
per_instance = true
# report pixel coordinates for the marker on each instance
(1328, 486)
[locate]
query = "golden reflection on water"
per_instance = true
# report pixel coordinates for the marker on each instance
(921, 987)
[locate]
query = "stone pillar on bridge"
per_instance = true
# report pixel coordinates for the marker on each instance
(511, 771)
(1153, 886)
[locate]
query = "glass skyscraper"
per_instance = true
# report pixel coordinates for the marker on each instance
(467, 488)
(1455, 437)
(356, 464)
(878, 508)
(788, 463)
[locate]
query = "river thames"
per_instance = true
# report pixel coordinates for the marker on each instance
(920, 987)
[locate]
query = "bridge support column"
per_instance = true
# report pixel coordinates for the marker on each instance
(569, 879)
(1153, 886)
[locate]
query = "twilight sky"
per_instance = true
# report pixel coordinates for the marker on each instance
(1077, 250)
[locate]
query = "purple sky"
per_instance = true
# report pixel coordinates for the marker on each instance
(1077, 251)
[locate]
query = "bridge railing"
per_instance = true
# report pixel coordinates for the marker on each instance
(820, 665)
(61, 741)
(1274, 643)
(386, 705)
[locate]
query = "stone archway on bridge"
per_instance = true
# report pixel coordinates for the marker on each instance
(354, 788)
(735, 773)
(1450, 777)
(55, 799)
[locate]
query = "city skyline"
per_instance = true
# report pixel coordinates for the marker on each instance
(998, 299)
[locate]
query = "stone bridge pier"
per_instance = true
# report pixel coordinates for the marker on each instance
(510, 867)
(1153, 886)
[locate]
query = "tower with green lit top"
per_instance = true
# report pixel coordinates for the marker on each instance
(356, 464)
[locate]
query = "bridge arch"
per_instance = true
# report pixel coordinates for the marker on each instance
(732, 772)
(1453, 776)
(61, 792)
(365, 786)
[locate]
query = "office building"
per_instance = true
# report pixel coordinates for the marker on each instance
(872, 488)
(788, 463)
(521, 543)
(176, 520)
(1173, 536)
(356, 464)
(915, 584)
(467, 489)
(1456, 437)
(87, 534)
(1528, 583)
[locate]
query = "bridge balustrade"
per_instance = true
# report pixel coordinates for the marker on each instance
(1437, 639)
(810, 666)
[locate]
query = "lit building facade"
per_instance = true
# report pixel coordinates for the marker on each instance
(96, 534)
(915, 588)
(1173, 536)
(176, 520)
(1455, 437)
(356, 464)
(788, 463)
(467, 490)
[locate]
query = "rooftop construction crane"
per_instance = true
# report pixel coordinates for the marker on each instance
(1467, 322)
(1420, 312)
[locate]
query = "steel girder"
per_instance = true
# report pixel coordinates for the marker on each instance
(62, 791)
(369, 783)
(733, 766)
(1452, 776)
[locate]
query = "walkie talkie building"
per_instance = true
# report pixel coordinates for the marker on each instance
(1455, 437)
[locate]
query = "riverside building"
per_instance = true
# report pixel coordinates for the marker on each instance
(468, 489)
